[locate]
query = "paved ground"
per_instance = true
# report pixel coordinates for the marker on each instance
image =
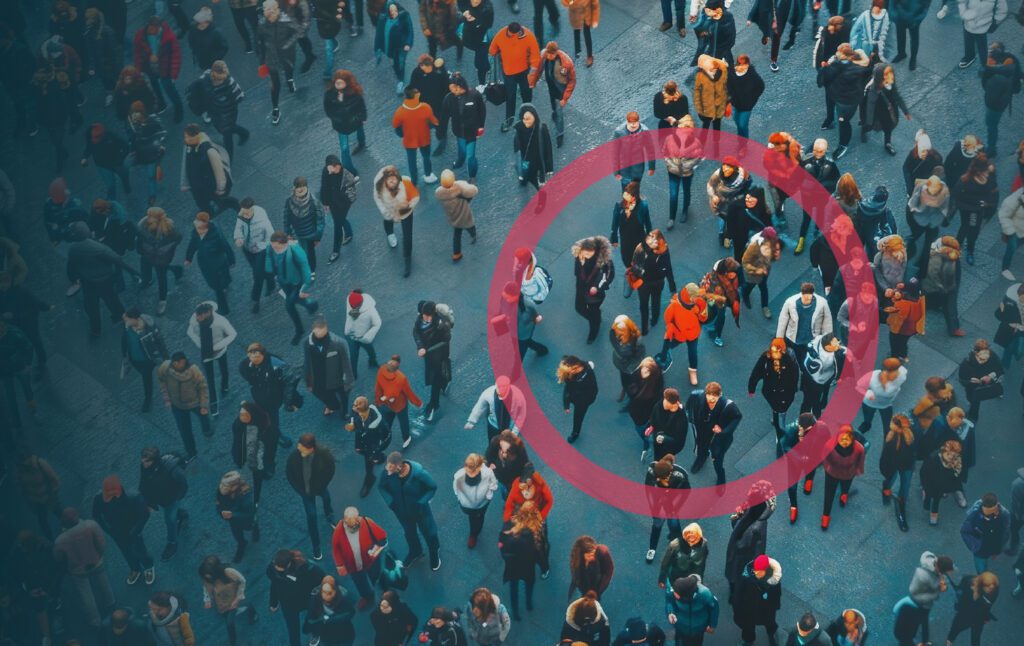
(88, 423)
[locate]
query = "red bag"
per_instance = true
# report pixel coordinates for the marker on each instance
(263, 71)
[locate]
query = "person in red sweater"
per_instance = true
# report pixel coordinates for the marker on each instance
(686, 312)
(843, 463)
(392, 393)
(528, 486)
(156, 52)
(412, 123)
(356, 543)
(520, 55)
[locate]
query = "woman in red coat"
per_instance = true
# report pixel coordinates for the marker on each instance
(528, 486)
(685, 313)
(843, 463)
(156, 53)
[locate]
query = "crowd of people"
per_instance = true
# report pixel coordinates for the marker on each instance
(912, 267)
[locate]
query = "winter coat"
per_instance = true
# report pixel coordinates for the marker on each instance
(882, 106)
(493, 629)
(225, 596)
(242, 507)
(321, 472)
(254, 233)
(221, 101)
(972, 196)
(269, 382)
(394, 385)
(1010, 311)
(109, 152)
(748, 540)
(435, 339)
(521, 553)
(626, 357)
(80, 548)
(844, 80)
(985, 537)
(203, 169)
(741, 223)
(168, 53)
(163, 483)
(653, 266)
(122, 517)
(125, 96)
(390, 39)
(439, 17)
(757, 600)
(92, 261)
(112, 228)
(633, 228)
(409, 497)
(455, 200)
(596, 576)
(475, 496)
(348, 113)
(299, 11)
(684, 317)
(710, 93)
(669, 430)
(175, 629)
(924, 586)
(659, 495)
(718, 36)
(778, 388)
(560, 74)
(941, 431)
(307, 224)
(824, 170)
(467, 114)
(583, 13)
(1011, 214)
(332, 623)
(362, 324)
(275, 42)
(788, 324)
(943, 271)
(399, 206)
(695, 616)
(676, 109)
(518, 52)
(826, 44)
(683, 142)
(147, 140)
(770, 16)
(533, 144)
(38, 482)
(290, 267)
(542, 497)
(937, 480)
(291, 589)
(597, 633)
(581, 388)
(978, 15)
(912, 12)
(1000, 80)
(897, 456)
(882, 396)
(845, 467)
(681, 560)
(370, 535)
(151, 346)
(598, 272)
(928, 210)
(371, 437)
(59, 219)
(916, 169)
(745, 89)
(726, 190)
(756, 265)
(187, 389)
(337, 190)
(397, 626)
(215, 254)
(874, 35)
(498, 412)
(207, 45)
(970, 367)
(337, 368)
(816, 637)
(631, 147)
(244, 454)
(506, 471)
(328, 14)
(476, 34)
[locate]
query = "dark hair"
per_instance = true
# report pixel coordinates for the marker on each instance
(527, 472)
(934, 384)
(192, 129)
(213, 568)
(283, 558)
(989, 500)
(162, 599)
(247, 203)
(204, 308)
(308, 440)
(807, 622)
(133, 312)
(150, 453)
(713, 388)
(806, 420)
(280, 237)
(944, 564)
(299, 182)
(671, 395)
(806, 288)
(410, 92)
(828, 338)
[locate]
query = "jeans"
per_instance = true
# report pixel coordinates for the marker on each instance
(1011, 248)
(309, 506)
(674, 183)
(413, 525)
(992, 124)
(410, 155)
(164, 89)
(557, 111)
(257, 262)
(94, 593)
(346, 154)
(970, 228)
(152, 183)
(467, 155)
(902, 27)
(183, 420)
(976, 45)
(353, 353)
(291, 302)
(398, 64)
(980, 564)
(211, 381)
(171, 521)
(691, 352)
(110, 176)
(329, 45)
(246, 19)
(513, 588)
(742, 120)
(666, 12)
(389, 228)
(513, 81)
(133, 548)
(815, 396)
(229, 137)
(905, 478)
(869, 417)
(361, 579)
(145, 370)
(457, 238)
(388, 417)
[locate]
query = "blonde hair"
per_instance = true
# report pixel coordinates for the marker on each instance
(529, 517)
(625, 329)
(985, 579)
(474, 460)
(156, 221)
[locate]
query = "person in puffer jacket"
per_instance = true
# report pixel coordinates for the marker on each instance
(882, 387)
(304, 220)
(684, 316)
(185, 392)
(252, 235)
(586, 622)
(682, 152)
(157, 53)
(275, 41)
(979, 16)
(684, 558)
(633, 150)
(362, 323)
(466, 109)
(170, 624)
(217, 95)
(692, 608)
(929, 581)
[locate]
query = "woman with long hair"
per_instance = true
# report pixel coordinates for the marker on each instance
(974, 608)
(157, 241)
(224, 591)
(941, 475)
(590, 567)
(954, 425)
(236, 505)
(882, 105)
(762, 252)
(523, 545)
(645, 392)
(506, 456)
(627, 350)
(898, 459)
(594, 272)
(486, 620)
(132, 85)
(631, 219)
(372, 438)
(579, 389)
(745, 217)
(937, 400)
(251, 435)
(848, 194)
(778, 373)
(976, 196)
(981, 376)
(346, 108)
(683, 150)
(648, 270)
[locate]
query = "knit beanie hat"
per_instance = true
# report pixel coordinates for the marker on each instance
(355, 299)
(112, 488)
(685, 586)
(761, 563)
(769, 233)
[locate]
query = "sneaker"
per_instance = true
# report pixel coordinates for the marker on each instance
(1008, 275)
(312, 276)
(456, 257)
(150, 576)
(133, 578)
(399, 87)
(430, 179)
(773, 66)
(718, 341)
(73, 289)
(827, 124)
(161, 307)
(840, 151)
(318, 554)
(545, 574)
(649, 557)
(334, 256)
(407, 442)
(943, 10)
(392, 240)
(889, 148)
(900, 56)
(214, 409)
(275, 116)
(961, 500)
(429, 416)
(767, 311)
(969, 257)
(506, 125)
(189, 459)
(665, 26)
(966, 62)
(169, 552)
(670, 225)
(435, 563)
(291, 85)
(643, 456)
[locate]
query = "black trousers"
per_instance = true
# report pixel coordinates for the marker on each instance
(830, 491)
(335, 399)
(457, 238)
(246, 20)
(650, 303)
(145, 370)
(538, 18)
(229, 137)
(389, 228)
(902, 27)
(591, 312)
(257, 262)
(95, 291)
(211, 382)
(579, 411)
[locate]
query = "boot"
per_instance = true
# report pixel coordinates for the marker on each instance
(901, 515)
(693, 376)
(793, 512)
(886, 496)
(408, 267)
(367, 484)
(825, 519)
(792, 40)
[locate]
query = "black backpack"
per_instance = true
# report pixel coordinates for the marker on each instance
(171, 463)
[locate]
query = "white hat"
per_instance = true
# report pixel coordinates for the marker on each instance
(205, 14)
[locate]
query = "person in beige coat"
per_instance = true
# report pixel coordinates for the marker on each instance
(454, 196)
(184, 388)
(1011, 221)
(584, 15)
(224, 591)
(709, 92)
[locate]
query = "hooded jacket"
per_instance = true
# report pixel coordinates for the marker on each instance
(337, 369)
(493, 629)
(726, 189)
(254, 233)
(749, 538)
(598, 272)
(391, 36)
(684, 316)
(163, 483)
(710, 94)
(695, 615)
(533, 144)
(275, 43)
(985, 537)
(291, 589)
(363, 323)
(943, 271)
(186, 390)
(844, 79)
(123, 516)
(597, 633)
(168, 52)
(175, 629)
(408, 497)
(146, 140)
(826, 44)
(822, 366)
(488, 405)
(924, 586)
(542, 497)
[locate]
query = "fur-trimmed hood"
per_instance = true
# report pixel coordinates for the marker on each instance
(570, 613)
(603, 254)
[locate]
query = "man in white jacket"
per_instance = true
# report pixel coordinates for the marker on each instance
(804, 317)
(252, 235)
(978, 17)
(502, 404)
(362, 323)
(212, 334)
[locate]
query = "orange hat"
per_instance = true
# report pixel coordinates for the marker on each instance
(112, 488)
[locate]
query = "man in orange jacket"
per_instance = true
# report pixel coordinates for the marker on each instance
(520, 55)
(412, 123)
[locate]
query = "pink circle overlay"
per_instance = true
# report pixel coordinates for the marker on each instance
(597, 165)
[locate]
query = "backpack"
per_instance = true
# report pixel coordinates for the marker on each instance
(446, 312)
(172, 462)
(545, 284)
(225, 160)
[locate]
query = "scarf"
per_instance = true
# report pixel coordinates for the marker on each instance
(934, 201)
(955, 464)
(824, 362)
(253, 447)
(300, 205)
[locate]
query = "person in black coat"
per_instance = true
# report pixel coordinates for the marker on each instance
(162, 485)
(236, 504)
(532, 142)
(883, 104)
(372, 438)
(1000, 80)
(466, 109)
(594, 272)
(206, 40)
(579, 389)
(433, 336)
(745, 87)
(309, 470)
(521, 543)
(652, 262)
(331, 612)
(205, 173)
(123, 515)
(251, 439)
(778, 372)
(96, 265)
(103, 49)
(122, 628)
(975, 598)
(667, 425)
(670, 105)
(843, 78)
(216, 257)
(745, 217)
(393, 620)
(821, 167)
(828, 39)
(749, 536)
(714, 419)
(478, 18)
(271, 387)
(337, 194)
(664, 474)
(346, 108)
(328, 371)
(718, 35)
(771, 17)
(432, 82)
(758, 598)
(217, 95)
(292, 580)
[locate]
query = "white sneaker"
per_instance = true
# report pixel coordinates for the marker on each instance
(643, 456)
(961, 500)
(392, 240)
(430, 179)
(399, 87)
(407, 442)
(108, 100)
(649, 557)
(1008, 275)
(73, 289)
(943, 10)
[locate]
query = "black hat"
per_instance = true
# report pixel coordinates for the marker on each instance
(685, 586)
(428, 307)
(332, 160)
(636, 629)
(714, 4)
(514, 28)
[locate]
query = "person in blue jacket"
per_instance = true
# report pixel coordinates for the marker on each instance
(394, 39)
(407, 488)
(692, 609)
(288, 264)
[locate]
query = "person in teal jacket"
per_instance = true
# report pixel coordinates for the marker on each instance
(288, 264)
(394, 39)
(692, 609)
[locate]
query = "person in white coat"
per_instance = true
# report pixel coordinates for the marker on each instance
(1011, 221)
(474, 485)
(804, 317)
(881, 389)
(212, 334)
(362, 323)
(978, 17)
(252, 235)
(396, 197)
(501, 404)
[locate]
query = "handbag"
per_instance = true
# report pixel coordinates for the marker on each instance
(995, 23)
(634, 281)
(494, 91)
(984, 392)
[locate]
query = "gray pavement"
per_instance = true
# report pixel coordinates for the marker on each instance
(88, 422)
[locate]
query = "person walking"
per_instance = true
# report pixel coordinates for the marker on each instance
(559, 71)
(942, 473)
(310, 469)
(206, 173)
(506, 456)
(898, 459)
(850, 626)
(522, 544)
(771, 17)
(763, 250)
(716, 31)
(224, 591)
(685, 314)
(393, 38)
(631, 218)
(432, 333)
(337, 194)
(474, 485)
(981, 375)
(407, 489)
(80, 549)
(217, 95)
(927, 209)
(590, 567)
(103, 50)
(519, 51)
(986, 530)
(882, 105)
(454, 197)
(502, 405)
(304, 220)
(826, 43)
(371, 439)
(528, 486)
(527, 320)
(169, 622)
(873, 33)
(804, 317)
(579, 390)
(664, 474)
(979, 18)
(487, 620)
(157, 54)
(666, 426)
(721, 287)
(326, 369)
(531, 141)
(778, 372)
(749, 536)
(464, 107)
(185, 392)
(142, 346)
(683, 152)
(287, 263)
(146, 137)
(251, 439)
(109, 151)
(929, 581)
(330, 614)
(745, 87)
(822, 365)
(276, 36)
(292, 578)
(206, 40)
(301, 14)
(95, 266)
(810, 633)
(692, 608)
(412, 122)
(236, 504)
(710, 91)
(651, 264)
(396, 196)
(252, 234)
(758, 598)
(843, 76)
(216, 257)
(826, 172)
(727, 184)
(882, 387)
(393, 391)
(39, 485)
(585, 619)
(645, 389)
(714, 419)
(271, 387)
(594, 272)
(791, 437)
(670, 105)
(357, 543)
(908, 15)
(362, 323)
(842, 464)
(1011, 221)
(684, 558)
(977, 595)
(1000, 80)
(976, 196)
(162, 485)
(346, 108)
(123, 516)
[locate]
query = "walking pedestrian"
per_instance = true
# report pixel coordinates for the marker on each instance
(981, 375)
(710, 92)
(79, 549)
(96, 267)
(216, 257)
(393, 38)
(157, 54)
(327, 369)
(292, 578)
(986, 530)
(849, 629)
(392, 389)
(474, 485)
(330, 614)
(664, 474)
(169, 622)
(163, 486)
(714, 419)
(146, 135)
(40, 488)
(684, 558)
(590, 567)
(908, 15)
(206, 40)
(309, 470)
(927, 209)
(346, 108)
(666, 426)
(396, 196)
(771, 17)
(532, 142)
(392, 620)
(304, 220)
(826, 172)
(271, 387)
(645, 389)
(684, 316)
(235, 502)
(454, 197)
(185, 392)
(560, 73)
(519, 52)
(412, 121)
(206, 173)
(432, 333)
(286, 262)
(56, 95)
(979, 18)
(793, 434)
(823, 363)
(745, 87)
(506, 456)
(337, 194)
(372, 438)
(579, 390)
(224, 591)
(252, 234)
(212, 334)
(487, 620)
(251, 439)
(683, 152)
(501, 404)
(976, 196)
(778, 372)
(898, 459)
(804, 317)
(826, 43)
(810, 633)
(651, 265)
(528, 486)
(357, 543)
(882, 387)
(523, 544)
(928, 582)
(721, 288)
(882, 104)
(123, 515)
(727, 184)
(142, 346)
(133, 86)
(763, 250)
(941, 474)
(276, 36)
(842, 464)
(362, 324)
(301, 14)
(670, 105)
(692, 608)
(749, 536)
(1011, 221)
(407, 489)
(103, 50)
(758, 598)
(217, 95)
(631, 219)
(716, 32)
(110, 153)
(843, 77)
